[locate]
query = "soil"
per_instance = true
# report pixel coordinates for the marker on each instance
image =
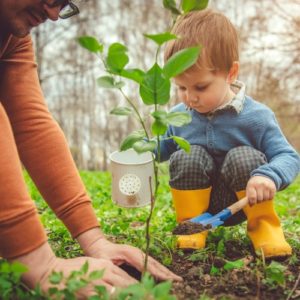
(247, 283)
(187, 227)
(244, 283)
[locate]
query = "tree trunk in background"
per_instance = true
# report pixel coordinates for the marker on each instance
(270, 57)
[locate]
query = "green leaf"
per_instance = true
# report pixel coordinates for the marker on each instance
(171, 5)
(5, 267)
(275, 272)
(181, 61)
(178, 118)
(189, 5)
(230, 265)
(117, 58)
(134, 292)
(148, 281)
(85, 267)
(214, 271)
(182, 143)
(161, 38)
(91, 44)
(96, 275)
(159, 128)
(220, 247)
(101, 290)
(155, 89)
(108, 82)
(136, 75)
(56, 277)
(160, 115)
(131, 139)
(53, 291)
(17, 267)
(162, 289)
(144, 146)
(121, 111)
(76, 284)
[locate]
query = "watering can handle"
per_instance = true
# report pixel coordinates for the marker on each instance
(237, 206)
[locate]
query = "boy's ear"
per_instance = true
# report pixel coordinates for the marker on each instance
(233, 72)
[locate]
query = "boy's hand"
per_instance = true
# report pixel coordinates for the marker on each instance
(259, 189)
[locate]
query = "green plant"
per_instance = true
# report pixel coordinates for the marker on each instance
(214, 271)
(146, 289)
(62, 287)
(230, 265)
(10, 283)
(199, 255)
(74, 282)
(154, 90)
(274, 274)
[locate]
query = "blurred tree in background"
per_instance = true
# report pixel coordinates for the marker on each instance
(270, 55)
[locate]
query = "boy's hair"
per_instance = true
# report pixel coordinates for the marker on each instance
(211, 30)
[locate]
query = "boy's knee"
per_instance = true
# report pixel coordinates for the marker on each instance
(191, 171)
(238, 165)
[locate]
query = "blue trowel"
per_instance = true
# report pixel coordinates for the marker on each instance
(208, 221)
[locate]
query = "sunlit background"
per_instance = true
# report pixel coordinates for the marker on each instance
(270, 55)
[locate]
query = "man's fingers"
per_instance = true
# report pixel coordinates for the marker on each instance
(161, 272)
(135, 257)
(118, 278)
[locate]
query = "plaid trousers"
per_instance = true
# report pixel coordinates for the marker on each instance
(197, 170)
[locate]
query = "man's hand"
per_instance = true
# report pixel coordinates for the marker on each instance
(259, 189)
(42, 262)
(95, 245)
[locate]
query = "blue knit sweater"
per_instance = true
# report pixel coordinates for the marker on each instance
(255, 126)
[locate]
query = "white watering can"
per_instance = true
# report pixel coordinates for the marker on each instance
(130, 178)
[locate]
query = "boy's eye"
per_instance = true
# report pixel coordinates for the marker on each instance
(181, 88)
(201, 88)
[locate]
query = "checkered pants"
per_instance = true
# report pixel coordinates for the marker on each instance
(197, 170)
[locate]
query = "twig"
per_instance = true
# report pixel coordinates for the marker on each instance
(294, 288)
(148, 226)
(258, 279)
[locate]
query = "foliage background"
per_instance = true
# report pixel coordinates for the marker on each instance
(270, 54)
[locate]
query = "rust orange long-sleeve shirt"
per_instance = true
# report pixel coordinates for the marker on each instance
(30, 135)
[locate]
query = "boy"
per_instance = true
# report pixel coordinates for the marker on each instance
(237, 147)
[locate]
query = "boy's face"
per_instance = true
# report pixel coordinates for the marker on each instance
(18, 17)
(203, 90)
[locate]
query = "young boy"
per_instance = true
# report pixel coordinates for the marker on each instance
(237, 147)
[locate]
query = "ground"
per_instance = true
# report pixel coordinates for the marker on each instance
(226, 269)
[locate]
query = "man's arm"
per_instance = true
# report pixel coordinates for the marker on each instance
(41, 144)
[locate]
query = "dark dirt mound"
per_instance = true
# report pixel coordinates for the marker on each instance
(188, 227)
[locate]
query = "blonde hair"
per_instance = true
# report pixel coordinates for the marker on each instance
(211, 30)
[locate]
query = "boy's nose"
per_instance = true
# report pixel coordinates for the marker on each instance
(52, 12)
(191, 98)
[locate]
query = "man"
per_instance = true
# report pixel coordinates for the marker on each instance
(31, 136)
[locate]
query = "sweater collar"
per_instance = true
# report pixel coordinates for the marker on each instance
(237, 102)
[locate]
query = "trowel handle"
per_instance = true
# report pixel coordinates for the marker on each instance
(237, 206)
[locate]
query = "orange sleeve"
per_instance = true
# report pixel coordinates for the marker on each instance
(40, 142)
(20, 228)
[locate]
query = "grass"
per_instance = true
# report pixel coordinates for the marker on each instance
(124, 225)
(127, 225)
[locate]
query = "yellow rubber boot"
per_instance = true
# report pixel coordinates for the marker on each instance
(189, 204)
(264, 229)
